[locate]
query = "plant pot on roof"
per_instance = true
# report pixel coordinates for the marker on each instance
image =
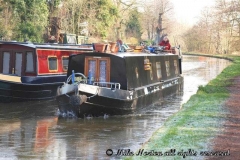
(108, 48)
(113, 47)
(99, 47)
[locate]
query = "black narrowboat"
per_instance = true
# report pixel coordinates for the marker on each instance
(121, 83)
(34, 71)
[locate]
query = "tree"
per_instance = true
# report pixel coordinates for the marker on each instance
(156, 16)
(99, 14)
(53, 6)
(218, 30)
(7, 20)
(119, 26)
(105, 14)
(31, 19)
(133, 26)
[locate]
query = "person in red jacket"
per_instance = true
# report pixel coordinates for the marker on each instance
(165, 43)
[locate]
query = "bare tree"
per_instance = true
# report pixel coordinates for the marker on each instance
(157, 14)
(218, 29)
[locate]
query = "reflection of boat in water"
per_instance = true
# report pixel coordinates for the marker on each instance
(42, 137)
(25, 135)
(33, 71)
(9, 127)
(118, 83)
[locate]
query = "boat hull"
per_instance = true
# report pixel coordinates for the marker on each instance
(117, 102)
(16, 92)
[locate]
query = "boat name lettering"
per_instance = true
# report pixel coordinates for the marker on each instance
(174, 82)
(151, 89)
(145, 90)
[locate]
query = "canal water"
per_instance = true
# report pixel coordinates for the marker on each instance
(32, 130)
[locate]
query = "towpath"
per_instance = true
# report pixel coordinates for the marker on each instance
(229, 137)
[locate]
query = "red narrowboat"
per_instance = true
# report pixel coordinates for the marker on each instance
(31, 71)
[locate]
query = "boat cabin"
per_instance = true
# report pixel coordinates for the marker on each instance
(130, 70)
(28, 59)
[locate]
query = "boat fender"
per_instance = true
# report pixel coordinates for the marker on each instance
(77, 100)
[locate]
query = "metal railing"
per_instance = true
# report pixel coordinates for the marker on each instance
(107, 84)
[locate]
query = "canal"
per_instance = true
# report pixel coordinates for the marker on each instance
(32, 130)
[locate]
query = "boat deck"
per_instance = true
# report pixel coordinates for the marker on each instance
(10, 78)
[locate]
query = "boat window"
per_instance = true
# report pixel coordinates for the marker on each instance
(167, 68)
(103, 71)
(97, 69)
(52, 63)
(151, 75)
(29, 63)
(175, 66)
(6, 62)
(92, 71)
(159, 72)
(18, 64)
(65, 63)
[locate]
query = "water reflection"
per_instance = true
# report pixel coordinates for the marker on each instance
(199, 71)
(32, 131)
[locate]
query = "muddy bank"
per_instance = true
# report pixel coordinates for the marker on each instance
(229, 137)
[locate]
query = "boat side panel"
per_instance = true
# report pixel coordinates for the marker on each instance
(137, 76)
(44, 54)
(12, 92)
(43, 79)
(174, 70)
(106, 103)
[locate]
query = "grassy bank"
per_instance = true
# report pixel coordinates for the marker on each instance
(199, 120)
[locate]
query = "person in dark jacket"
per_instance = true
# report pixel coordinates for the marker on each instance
(165, 43)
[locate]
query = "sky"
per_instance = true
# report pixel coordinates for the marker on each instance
(188, 11)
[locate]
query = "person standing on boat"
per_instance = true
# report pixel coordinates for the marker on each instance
(165, 43)
(119, 44)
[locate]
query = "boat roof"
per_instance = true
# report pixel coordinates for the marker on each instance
(126, 54)
(140, 54)
(50, 45)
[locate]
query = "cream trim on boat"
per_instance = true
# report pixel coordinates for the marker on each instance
(10, 78)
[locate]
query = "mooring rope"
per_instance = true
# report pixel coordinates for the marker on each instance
(94, 94)
(67, 95)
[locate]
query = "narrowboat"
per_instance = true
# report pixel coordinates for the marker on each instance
(34, 71)
(101, 84)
